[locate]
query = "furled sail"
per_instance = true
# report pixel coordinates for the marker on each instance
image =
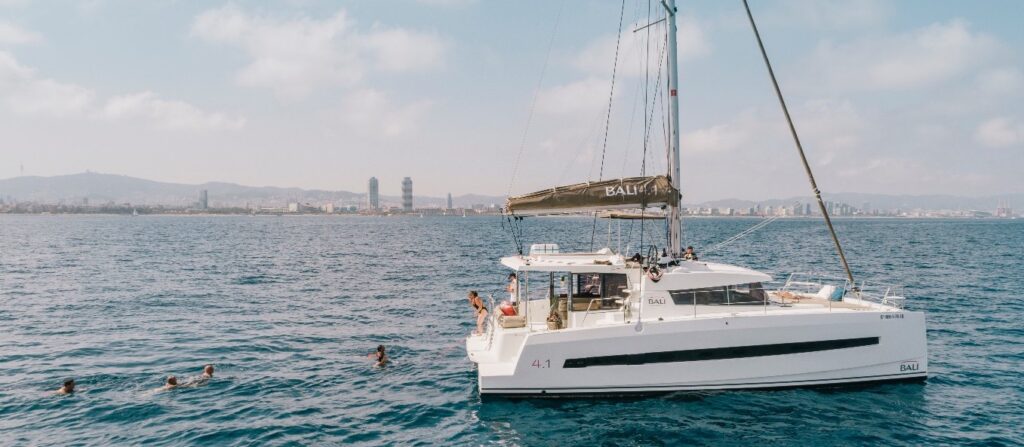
(631, 192)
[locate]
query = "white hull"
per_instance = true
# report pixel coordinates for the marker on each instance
(710, 352)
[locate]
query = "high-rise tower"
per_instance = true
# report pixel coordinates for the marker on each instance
(373, 194)
(450, 201)
(407, 194)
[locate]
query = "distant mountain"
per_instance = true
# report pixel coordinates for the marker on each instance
(883, 201)
(102, 188)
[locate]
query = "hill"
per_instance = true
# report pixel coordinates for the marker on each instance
(103, 188)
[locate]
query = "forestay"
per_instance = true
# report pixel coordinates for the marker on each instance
(630, 192)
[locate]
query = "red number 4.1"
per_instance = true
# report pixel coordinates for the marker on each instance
(538, 364)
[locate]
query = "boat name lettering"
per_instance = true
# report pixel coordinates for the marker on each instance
(627, 190)
(909, 366)
(540, 364)
(890, 316)
(655, 301)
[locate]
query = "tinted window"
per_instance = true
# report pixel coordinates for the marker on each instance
(744, 294)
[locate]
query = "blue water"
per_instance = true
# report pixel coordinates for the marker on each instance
(288, 307)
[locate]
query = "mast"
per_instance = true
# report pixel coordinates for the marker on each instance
(675, 220)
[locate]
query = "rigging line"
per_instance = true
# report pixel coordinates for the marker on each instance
(800, 149)
(536, 93)
(639, 85)
(608, 117)
(647, 127)
(741, 234)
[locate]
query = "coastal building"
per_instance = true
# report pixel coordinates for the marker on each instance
(373, 196)
(204, 202)
(449, 202)
(407, 194)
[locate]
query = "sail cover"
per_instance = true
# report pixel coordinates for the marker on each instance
(631, 192)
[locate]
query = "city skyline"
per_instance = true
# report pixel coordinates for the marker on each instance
(890, 97)
(104, 190)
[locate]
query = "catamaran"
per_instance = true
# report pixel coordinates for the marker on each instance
(598, 323)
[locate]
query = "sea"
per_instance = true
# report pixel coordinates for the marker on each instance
(287, 308)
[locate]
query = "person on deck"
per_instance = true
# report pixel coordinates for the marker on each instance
(513, 288)
(480, 309)
(690, 255)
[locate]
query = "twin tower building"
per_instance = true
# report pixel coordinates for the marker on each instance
(374, 194)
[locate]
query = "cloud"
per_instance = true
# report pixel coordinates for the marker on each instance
(1001, 81)
(168, 114)
(294, 56)
(597, 57)
(447, 3)
(11, 34)
(829, 14)
(581, 96)
(374, 113)
(930, 55)
(1000, 132)
(24, 93)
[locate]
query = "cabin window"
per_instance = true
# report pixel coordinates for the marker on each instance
(752, 293)
(593, 291)
(598, 285)
(741, 294)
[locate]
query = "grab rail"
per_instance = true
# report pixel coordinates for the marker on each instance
(587, 313)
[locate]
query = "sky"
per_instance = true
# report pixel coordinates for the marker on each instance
(487, 97)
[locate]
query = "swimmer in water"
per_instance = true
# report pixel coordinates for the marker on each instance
(202, 378)
(172, 383)
(68, 387)
(382, 357)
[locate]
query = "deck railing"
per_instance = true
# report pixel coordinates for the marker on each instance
(836, 288)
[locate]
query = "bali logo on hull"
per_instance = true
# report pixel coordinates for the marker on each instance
(909, 367)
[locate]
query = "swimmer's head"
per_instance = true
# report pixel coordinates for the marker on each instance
(172, 381)
(69, 385)
(380, 349)
(208, 370)
(473, 294)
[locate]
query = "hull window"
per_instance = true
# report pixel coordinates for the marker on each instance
(733, 352)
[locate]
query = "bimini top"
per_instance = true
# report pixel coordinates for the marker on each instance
(602, 261)
(632, 192)
(695, 275)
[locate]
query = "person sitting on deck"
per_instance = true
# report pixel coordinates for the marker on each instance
(689, 255)
(480, 309)
(513, 288)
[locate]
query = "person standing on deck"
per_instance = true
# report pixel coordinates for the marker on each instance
(480, 309)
